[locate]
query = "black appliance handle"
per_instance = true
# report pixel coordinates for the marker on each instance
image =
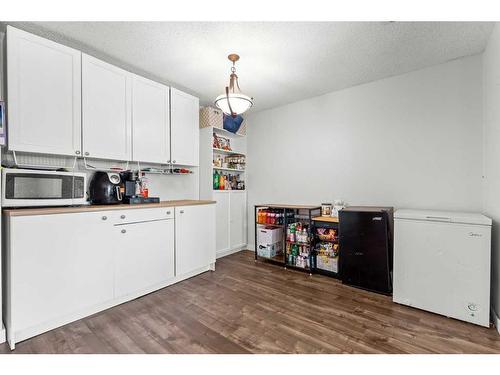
(118, 193)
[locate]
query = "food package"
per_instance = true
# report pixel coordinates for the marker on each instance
(326, 234)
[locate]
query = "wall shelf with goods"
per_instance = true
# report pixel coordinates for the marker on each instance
(284, 235)
(223, 153)
(230, 169)
(224, 158)
(225, 133)
(228, 165)
(227, 152)
(167, 171)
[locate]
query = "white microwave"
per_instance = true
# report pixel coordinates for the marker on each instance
(26, 187)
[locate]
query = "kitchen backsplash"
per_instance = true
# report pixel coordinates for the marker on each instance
(167, 187)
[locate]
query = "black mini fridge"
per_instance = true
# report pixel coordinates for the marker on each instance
(366, 247)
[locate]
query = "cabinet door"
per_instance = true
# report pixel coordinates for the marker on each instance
(106, 110)
(59, 269)
(150, 121)
(184, 125)
(222, 221)
(144, 255)
(194, 238)
(238, 219)
(44, 88)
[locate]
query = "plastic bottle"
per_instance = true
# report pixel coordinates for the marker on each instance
(138, 188)
(216, 180)
(144, 186)
(221, 182)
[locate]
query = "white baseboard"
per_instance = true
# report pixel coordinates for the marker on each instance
(496, 318)
(2, 334)
(231, 251)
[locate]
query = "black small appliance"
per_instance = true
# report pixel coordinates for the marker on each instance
(130, 181)
(105, 188)
(366, 247)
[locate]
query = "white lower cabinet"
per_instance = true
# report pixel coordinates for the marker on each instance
(222, 222)
(194, 238)
(63, 267)
(56, 267)
(231, 219)
(238, 219)
(144, 255)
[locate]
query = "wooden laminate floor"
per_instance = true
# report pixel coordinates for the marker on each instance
(248, 307)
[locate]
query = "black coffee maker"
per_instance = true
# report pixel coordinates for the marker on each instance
(105, 188)
(130, 180)
(131, 189)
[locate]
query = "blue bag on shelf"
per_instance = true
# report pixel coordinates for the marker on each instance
(232, 124)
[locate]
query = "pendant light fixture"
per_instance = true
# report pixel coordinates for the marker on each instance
(233, 102)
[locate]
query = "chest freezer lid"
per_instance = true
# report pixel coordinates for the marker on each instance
(443, 216)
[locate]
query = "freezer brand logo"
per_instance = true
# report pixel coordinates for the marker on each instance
(377, 218)
(472, 234)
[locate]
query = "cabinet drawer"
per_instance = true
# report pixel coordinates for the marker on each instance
(141, 214)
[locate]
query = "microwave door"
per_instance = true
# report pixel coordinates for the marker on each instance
(32, 189)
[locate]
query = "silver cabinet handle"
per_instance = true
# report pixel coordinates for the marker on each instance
(168, 212)
(181, 211)
(122, 217)
(87, 153)
(77, 152)
(124, 231)
(104, 218)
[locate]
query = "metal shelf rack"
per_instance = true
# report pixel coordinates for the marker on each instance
(291, 214)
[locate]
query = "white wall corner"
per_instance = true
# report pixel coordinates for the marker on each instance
(223, 254)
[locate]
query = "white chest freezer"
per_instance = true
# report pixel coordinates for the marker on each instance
(442, 263)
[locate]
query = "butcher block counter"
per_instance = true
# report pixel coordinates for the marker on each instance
(96, 208)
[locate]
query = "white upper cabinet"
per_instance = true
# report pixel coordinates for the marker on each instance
(44, 95)
(107, 110)
(64, 102)
(184, 122)
(150, 121)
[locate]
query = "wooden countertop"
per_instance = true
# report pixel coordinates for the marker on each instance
(291, 206)
(93, 208)
(327, 219)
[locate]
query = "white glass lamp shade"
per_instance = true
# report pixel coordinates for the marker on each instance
(239, 103)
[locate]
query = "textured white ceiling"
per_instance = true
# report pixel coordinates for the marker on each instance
(281, 62)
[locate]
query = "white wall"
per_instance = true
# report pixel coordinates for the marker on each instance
(491, 79)
(413, 140)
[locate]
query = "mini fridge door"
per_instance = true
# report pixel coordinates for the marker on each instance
(364, 250)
